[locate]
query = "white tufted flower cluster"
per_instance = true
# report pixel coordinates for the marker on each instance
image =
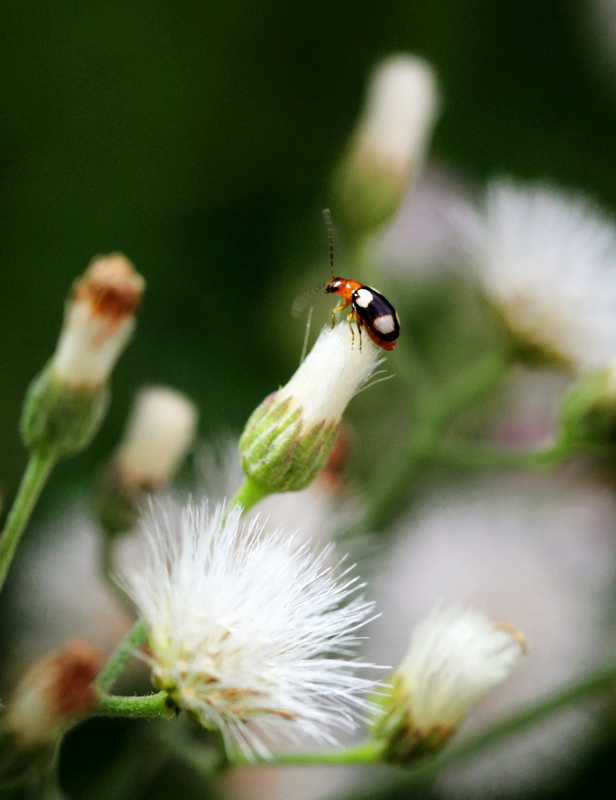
(249, 632)
(547, 262)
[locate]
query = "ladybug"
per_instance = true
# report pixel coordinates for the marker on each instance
(370, 309)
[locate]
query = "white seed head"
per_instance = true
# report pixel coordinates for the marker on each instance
(547, 261)
(160, 431)
(333, 372)
(399, 115)
(249, 632)
(98, 322)
(456, 655)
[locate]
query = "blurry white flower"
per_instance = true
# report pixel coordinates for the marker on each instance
(538, 552)
(288, 437)
(98, 322)
(456, 656)
(547, 262)
(248, 632)
(160, 431)
(53, 692)
(388, 146)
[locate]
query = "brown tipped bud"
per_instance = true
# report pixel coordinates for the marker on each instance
(67, 401)
(54, 692)
(98, 322)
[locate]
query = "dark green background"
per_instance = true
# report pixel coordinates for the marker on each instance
(198, 137)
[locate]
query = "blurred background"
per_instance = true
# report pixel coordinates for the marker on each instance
(199, 139)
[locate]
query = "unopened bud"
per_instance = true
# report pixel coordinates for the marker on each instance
(387, 149)
(588, 412)
(53, 693)
(456, 656)
(289, 436)
(67, 401)
(160, 431)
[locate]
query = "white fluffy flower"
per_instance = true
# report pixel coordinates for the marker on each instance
(456, 656)
(248, 632)
(538, 553)
(547, 261)
(333, 372)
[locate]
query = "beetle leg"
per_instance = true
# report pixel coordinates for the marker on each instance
(350, 319)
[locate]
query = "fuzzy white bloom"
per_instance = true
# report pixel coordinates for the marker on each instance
(99, 320)
(333, 372)
(248, 632)
(456, 656)
(540, 553)
(288, 437)
(160, 431)
(547, 261)
(400, 111)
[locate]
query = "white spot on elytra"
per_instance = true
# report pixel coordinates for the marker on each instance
(384, 324)
(363, 297)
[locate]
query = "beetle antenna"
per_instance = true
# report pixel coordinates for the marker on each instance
(330, 237)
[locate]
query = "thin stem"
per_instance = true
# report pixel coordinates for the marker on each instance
(366, 753)
(480, 456)
(121, 656)
(436, 411)
(249, 494)
(150, 705)
(601, 680)
(35, 476)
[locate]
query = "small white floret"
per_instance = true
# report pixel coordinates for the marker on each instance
(335, 369)
(160, 431)
(400, 111)
(249, 632)
(456, 656)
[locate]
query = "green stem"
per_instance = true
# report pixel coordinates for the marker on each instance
(436, 411)
(601, 680)
(35, 476)
(151, 705)
(121, 656)
(366, 753)
(479, 456)
(249, 494)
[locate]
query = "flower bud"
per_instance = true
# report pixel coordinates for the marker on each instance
(287, 439)
(388, 146)
(456, 656)
(52, 694)
(588, 412)
(66, 402)
(160, 431)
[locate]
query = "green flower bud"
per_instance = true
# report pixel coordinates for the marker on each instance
(67, 401)
(288, 437)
